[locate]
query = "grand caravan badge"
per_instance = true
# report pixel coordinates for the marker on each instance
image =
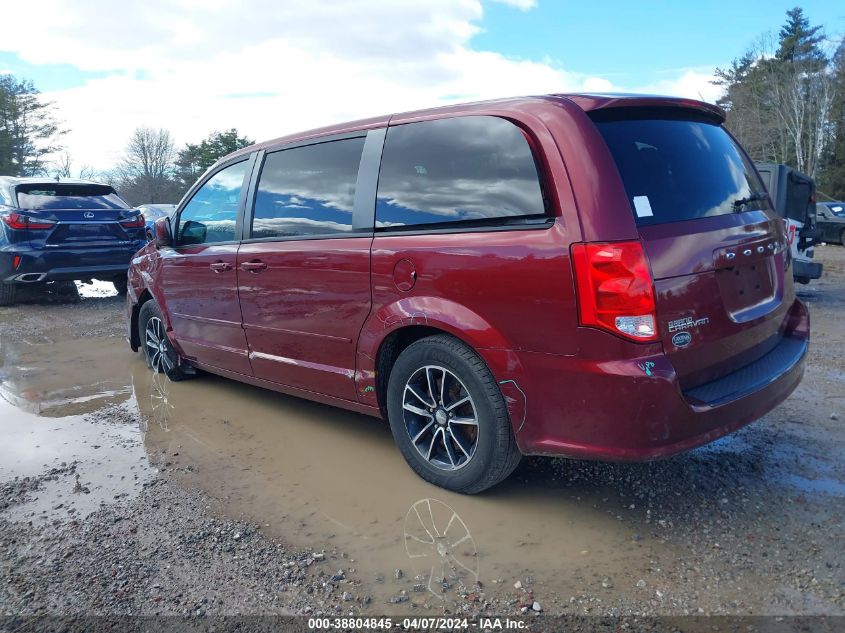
(687, 323)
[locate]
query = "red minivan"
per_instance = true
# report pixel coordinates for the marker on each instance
(593, 276)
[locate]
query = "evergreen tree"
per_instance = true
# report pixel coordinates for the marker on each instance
(28, 131)
(799, 42)
(194, 159)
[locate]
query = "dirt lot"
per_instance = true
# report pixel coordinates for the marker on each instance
(121, 493)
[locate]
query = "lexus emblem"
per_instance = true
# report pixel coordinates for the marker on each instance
(88, 215)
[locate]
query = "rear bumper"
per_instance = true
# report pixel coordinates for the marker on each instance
(615, 411)
(59, 264)
(806, 270)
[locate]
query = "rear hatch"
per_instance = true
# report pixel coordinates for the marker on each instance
(70, 215)
(716, 248)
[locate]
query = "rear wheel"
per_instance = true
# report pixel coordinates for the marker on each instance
(159, 352)
(8, 292)
(448, 416)
(120, 284)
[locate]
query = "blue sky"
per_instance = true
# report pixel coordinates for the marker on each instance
(644, 40)
(271, 67)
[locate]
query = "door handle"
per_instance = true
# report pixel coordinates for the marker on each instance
(254, 266)
(220, 267)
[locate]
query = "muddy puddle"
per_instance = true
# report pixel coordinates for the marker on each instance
(320, 477)
(66, 409)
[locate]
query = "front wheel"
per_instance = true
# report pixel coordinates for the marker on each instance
(158, 350)
(448, 416)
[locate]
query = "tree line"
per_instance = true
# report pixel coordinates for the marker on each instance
(784, 99)
(152, 169)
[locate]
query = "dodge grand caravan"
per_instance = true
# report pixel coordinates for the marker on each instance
(593, 276)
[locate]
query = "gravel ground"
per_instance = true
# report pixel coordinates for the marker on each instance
(751, 525)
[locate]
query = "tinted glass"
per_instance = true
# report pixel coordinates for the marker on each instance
(307, 190)
(156, 211)
(677, 170)
(476, 168)
(837, 208)
(68, 197)
(211, 214)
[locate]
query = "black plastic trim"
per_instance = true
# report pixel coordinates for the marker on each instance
(745, 381)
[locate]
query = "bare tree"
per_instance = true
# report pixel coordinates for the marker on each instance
(779, 96)
(62, 166)
(145, 174)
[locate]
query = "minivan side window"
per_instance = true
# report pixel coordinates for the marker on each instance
(471, 170)
(211, 214)
(307, 190)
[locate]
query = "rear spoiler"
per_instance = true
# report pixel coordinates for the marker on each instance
(594, 103)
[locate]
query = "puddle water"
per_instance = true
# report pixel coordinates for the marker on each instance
(60, 412)
(314, 475)
(96, 289)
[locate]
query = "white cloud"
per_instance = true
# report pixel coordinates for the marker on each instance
(523, 5)
(693, 84)
(268, 67)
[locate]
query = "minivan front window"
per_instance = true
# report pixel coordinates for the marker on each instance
(211, 215)
(677, 169)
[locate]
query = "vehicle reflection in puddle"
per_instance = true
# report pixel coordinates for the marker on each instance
(436, 533)
(66, 410)
(316, 475)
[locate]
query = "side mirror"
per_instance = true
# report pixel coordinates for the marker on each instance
(193, 233)
(162, 233)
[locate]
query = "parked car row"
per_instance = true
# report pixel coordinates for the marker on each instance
(592, 276)
(63, 230)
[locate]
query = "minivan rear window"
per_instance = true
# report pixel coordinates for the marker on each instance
(677, 169)
(48, 196)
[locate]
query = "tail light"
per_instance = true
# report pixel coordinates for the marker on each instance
(21, 221)
(137, 222)
(615, 291)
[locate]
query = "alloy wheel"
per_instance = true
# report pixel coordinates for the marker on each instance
(157, 346)
(440, 417)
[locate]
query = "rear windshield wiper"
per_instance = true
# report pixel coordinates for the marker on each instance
(753, 197)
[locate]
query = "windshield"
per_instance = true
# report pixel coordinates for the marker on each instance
(90, 197)
(677, 169)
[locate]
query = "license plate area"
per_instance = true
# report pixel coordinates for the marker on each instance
(748, 288)
(86, 233)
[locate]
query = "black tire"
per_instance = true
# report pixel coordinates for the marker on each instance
(842, 237)
(65, 290)
(163, 359)
(8, 293)
(494, 454)
(120, 284)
